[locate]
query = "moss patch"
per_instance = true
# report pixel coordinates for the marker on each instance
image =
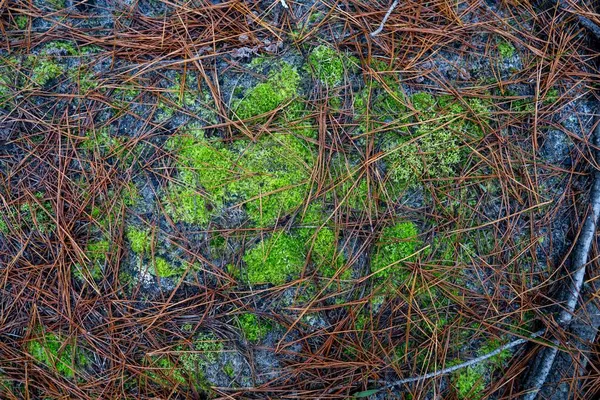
(139, 240)
(273, 177)
(281, 86)
(396, 244)
(51, 351)
(506, 49)
(327, 65)
(275, 260)
(204, 169)
(254, 329)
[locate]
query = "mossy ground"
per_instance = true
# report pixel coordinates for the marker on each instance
(332, 212)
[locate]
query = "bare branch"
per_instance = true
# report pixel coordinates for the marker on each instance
(385, 18)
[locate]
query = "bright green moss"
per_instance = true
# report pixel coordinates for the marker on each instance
(273, 177)
(229, 370)
(96, 251)
(21, 21)
(469, 383)
(44, 70)
(423, 102)
(396, 244)
(327, 65)
(281, 86)
(57, 4)
(139, 240)
(164, 269)
(84, 79)
(5, 92)
(552, 96)
(201, 162)
(499, 360)
(189, 366)
(254, 329)
(165, 372)
(506, 49)
(204, 170)
(47, 350)
(275, 260)
(325, 255)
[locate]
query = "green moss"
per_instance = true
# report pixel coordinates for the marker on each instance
(506, 49)
(328, 260)
(165, 372)
(84, 79)
(189, 366)
(396, 244)
(186, 205)
(21, 21)
(423, 102)
(96, 251)
(273, 177)
(469, 383)
(353, 191)
(281, 86)
(229, 370)
(327, 65)
(164, 269)
(204, 169)
(552, 96)
(44, 70)
(57, 4)
(206, 351)
(499, 360)
(434, 147)
(37, 215)
(275, 260)
(139, 240)
(253, 328)
(51, 351)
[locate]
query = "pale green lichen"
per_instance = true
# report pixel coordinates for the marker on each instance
(435, 146)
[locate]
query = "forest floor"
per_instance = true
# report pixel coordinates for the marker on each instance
(260, 199)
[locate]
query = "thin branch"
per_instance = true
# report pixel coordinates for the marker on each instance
(466, 364)
(385, 18)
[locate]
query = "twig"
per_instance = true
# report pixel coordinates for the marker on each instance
(466, 364)
(385, 18)
(284, 4)
(457, 367)
(544, 365)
